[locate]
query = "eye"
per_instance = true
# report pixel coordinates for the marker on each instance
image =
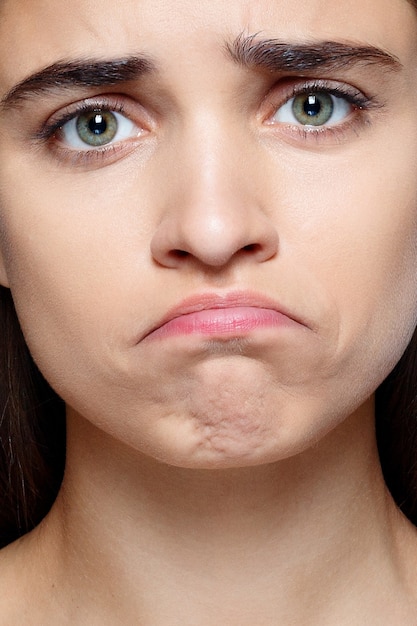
(314, 108)
(95, 129)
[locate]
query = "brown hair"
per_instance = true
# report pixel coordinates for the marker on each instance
(32, 432)
(396, 427)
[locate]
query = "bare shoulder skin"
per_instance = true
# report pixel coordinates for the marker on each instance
(213, 260)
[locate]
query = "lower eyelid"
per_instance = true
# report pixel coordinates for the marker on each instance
(91, 159)
(316, 137)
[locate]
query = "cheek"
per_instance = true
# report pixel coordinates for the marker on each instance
(358, 242)
(78, 272)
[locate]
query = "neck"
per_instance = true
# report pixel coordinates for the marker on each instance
(269, 540)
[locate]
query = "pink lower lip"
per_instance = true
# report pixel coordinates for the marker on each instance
(233, 321)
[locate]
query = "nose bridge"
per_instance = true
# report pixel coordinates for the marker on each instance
(212, 147)
(214, 211)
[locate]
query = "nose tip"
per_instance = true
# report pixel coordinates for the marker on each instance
(214, 241)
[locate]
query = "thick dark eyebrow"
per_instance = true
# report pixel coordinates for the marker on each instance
(248, 51)
(277, 56)
(83, 73)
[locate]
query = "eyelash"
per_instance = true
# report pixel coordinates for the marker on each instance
(48, 132)
(358, 100)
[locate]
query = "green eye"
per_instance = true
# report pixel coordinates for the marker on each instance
(97, 128)
(313, 109)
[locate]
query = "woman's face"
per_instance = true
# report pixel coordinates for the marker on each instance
(208, 213)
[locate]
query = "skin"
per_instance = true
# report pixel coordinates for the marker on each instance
(226, 479)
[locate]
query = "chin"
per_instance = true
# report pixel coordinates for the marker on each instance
(233, 439)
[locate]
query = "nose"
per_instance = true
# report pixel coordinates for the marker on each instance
(215, 213)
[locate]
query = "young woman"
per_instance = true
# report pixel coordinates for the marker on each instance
(208, 218)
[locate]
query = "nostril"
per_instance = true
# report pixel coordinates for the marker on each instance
(214, 240)
(179, 254)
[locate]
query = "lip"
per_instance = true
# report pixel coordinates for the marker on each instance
(223, 315)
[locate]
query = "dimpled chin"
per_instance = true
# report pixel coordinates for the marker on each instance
(233, 415)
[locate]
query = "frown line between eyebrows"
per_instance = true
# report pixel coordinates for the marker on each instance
(83, 73)
(278, 56)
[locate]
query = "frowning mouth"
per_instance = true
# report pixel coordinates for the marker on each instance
(231, 315)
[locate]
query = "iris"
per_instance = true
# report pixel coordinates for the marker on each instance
(97, 128)
(314, 109)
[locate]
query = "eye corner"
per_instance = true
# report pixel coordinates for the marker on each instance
(316, 110)
(95, 128)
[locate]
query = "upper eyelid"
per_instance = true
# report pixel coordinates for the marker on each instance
(109, 102)
(285, 90)
(298, 86)
(291, 84)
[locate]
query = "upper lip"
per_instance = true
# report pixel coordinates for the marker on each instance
(206, 301)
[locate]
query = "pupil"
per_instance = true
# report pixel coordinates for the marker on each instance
(97, 124)
(312, 106)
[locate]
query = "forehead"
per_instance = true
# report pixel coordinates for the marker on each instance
(37, 33)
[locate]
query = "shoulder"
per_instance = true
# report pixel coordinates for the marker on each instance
(14, 602)
(26, 589)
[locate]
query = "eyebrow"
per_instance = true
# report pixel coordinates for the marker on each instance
(249, 51)
(82, 73)
(277, 56)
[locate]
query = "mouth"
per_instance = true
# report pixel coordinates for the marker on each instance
(228, 316)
